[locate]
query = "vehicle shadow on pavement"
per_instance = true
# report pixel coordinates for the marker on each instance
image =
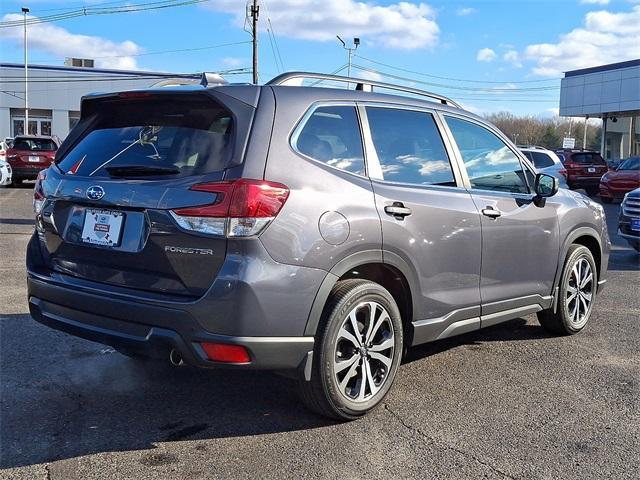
(64, 397)
(513, 330)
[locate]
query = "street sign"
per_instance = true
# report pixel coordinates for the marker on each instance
(568, 142)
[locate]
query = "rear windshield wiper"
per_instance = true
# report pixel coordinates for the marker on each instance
(140, 170)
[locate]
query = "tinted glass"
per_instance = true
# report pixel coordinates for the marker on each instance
(184, 138)
(632, 163)
(332, 136)
(586, 158)
(540, 160)
(490, 163)
(409, 147)
(35, 144)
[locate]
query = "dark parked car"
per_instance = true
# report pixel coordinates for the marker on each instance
(629, 221)
(584, 169)
(314, 231)
(29, 154)
(615, 184)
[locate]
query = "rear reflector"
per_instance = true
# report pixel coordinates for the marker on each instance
(241, 208)
(222, 352)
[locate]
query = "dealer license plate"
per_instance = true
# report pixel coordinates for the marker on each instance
(102, 227)
(34, 158)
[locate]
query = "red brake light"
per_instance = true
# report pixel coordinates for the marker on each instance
(222, 352)
(562, 172)
(241, 208)
(134, 94)
(240, 199)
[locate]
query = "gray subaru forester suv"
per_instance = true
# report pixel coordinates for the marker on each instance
(313, 231)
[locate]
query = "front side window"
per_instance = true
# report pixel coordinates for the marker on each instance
(409, 147)
(490, 163)
(331, 135)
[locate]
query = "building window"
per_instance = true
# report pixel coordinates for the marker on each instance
(45, 127)
(18, 128)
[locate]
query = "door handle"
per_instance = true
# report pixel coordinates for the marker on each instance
(397, 210)
(491, 212)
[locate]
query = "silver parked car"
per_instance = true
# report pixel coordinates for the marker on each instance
(315, 231)
(547, 162)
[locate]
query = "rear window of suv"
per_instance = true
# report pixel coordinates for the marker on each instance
(169, 137)
(540, 160)
(586, 158)
(35, 144)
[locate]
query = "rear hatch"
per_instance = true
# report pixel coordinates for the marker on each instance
(37, 153)
(109, 209)
(586, 164)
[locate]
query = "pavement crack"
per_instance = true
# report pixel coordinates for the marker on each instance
(47, 472)
(432, 441)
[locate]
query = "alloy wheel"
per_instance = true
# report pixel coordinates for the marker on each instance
(364, 352)
(579, 294)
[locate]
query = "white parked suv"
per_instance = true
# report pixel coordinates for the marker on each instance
(547, 162)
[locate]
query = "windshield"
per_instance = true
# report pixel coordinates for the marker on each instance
(632, 163)
(35, 144)
(179, 138)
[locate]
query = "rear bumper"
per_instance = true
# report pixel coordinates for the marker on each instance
(27, 173)
(577, 181)
(154, 331)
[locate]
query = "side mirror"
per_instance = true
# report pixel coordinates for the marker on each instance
(545, 186)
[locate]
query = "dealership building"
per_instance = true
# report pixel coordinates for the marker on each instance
(55, 93)
(612, 93)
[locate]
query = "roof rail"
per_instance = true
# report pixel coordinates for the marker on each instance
(361, 84)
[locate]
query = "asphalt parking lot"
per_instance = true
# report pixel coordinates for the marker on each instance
(506, 402)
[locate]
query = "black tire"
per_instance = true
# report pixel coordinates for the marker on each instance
(567, 320)
(592, 191)
(323, 393)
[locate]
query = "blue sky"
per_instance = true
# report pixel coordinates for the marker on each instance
(526, 45)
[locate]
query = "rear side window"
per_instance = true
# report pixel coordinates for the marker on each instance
(35, 144)
(540, 160)
(178, 138)
(331, 135)
(409, 147)
(490, 163)
(586, 158)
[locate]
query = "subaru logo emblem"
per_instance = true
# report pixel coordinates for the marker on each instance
(95, 192)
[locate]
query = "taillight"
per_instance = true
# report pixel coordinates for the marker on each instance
(38, 192)
(242, 208)
(563, 172)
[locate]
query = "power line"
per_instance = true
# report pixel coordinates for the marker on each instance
(88, 11)
(181, 50)
(492, 90)
(422, 74)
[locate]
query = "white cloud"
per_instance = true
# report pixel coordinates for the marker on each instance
(401, 25)
(605, 38)
(59, 41)
(595, 2)
(513, 57)
(486, 55)
(233, 62)
(464, 11)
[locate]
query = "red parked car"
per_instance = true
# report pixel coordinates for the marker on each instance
(29, 154)
(584, 169)
(615, 183)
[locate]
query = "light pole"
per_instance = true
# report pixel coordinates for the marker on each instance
(356, 43)
(25, 10)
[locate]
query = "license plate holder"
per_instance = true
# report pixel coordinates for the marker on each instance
(102, 227)
(34, 158)
(635, 224)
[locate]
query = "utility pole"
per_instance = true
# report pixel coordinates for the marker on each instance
(255, 9)
(25, 10)
(350, 50)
